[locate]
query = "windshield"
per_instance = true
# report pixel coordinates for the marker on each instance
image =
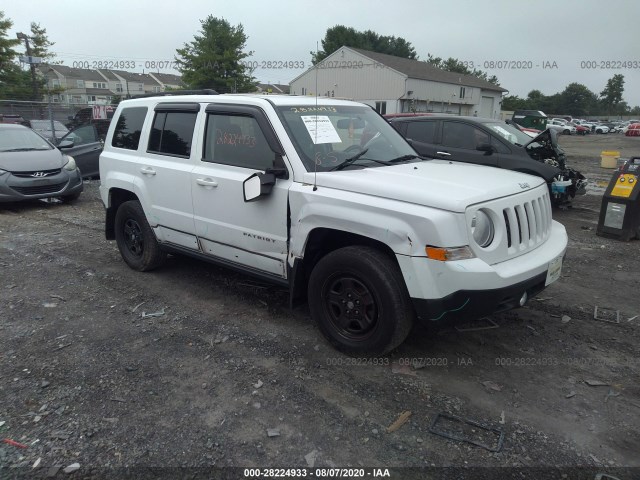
(327, 136)
(21, 139)
(509, 133)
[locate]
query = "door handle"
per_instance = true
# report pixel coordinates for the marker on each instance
(444, 154)
(148, 171)
(206, 182)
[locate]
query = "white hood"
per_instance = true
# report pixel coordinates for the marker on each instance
(451, 186)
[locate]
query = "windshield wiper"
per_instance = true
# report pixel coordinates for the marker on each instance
(349, 160)
(355, 158)
(404, 158)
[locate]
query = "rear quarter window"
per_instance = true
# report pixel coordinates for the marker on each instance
(129, 127)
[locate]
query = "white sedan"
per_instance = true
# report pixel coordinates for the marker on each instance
(561, 128)
(602, 129)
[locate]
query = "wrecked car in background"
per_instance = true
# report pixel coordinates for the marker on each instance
(494, 143)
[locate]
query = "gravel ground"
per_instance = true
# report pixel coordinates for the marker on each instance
(193, 366)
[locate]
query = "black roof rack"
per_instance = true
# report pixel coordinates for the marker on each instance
(205, 91)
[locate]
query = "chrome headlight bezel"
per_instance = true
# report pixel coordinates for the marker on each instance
(482, 229)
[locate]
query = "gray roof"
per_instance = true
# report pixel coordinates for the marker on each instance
(150, 81)
(169, 78)
(112, 75)
(76, 73)
(109, 74)
(132, 77)
(423, 71)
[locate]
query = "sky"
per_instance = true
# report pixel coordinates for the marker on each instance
(543, 44)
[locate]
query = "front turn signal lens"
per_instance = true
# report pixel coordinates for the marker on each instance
(444, 254)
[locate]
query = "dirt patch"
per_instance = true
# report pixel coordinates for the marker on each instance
(195, 366)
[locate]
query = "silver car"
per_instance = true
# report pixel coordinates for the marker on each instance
(43, 127)
(30, 167)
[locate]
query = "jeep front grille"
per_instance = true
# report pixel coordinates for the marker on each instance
(527, 224)
(522, 222)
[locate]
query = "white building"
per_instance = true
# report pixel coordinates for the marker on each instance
(398, 85)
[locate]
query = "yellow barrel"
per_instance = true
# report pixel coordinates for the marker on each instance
(609, 158)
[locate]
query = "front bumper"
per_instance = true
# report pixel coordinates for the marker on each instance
(445, 292)
(466, 305)
(19, 188)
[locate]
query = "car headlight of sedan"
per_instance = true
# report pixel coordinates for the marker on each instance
(482, 228)
(71, 164)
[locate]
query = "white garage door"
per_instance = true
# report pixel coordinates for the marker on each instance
(486, 107)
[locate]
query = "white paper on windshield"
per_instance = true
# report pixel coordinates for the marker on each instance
(502, 131)
(321, 129)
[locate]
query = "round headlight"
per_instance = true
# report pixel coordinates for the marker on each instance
(482, 229)
(71, 164)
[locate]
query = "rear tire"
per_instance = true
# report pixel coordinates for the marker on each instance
(359, 299)
(136, 241)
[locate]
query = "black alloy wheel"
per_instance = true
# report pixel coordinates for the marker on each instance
(359, 300)
(136, 241)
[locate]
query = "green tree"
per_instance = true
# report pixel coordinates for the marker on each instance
(535, 96)
(7, 55)
(40, 44)
(612, 93)
(214, 58)
(514, 102)
(341, 36)
(454, 65)
(450, 64)
(577, 100)
(15, 83)
(622, 108)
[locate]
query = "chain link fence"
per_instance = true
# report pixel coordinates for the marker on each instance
(29, 110)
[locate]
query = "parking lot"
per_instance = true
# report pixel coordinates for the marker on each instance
(193, 365)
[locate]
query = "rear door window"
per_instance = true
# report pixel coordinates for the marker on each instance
(172, 133)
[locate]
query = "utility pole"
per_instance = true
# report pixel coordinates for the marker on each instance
(32, 66)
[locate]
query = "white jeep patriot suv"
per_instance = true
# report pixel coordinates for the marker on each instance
(325, 197)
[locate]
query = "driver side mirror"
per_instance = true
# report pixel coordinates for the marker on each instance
(68, 143)
(258, 185)
(485, 147)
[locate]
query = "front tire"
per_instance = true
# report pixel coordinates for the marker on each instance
(136, 241)
(360, 302)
